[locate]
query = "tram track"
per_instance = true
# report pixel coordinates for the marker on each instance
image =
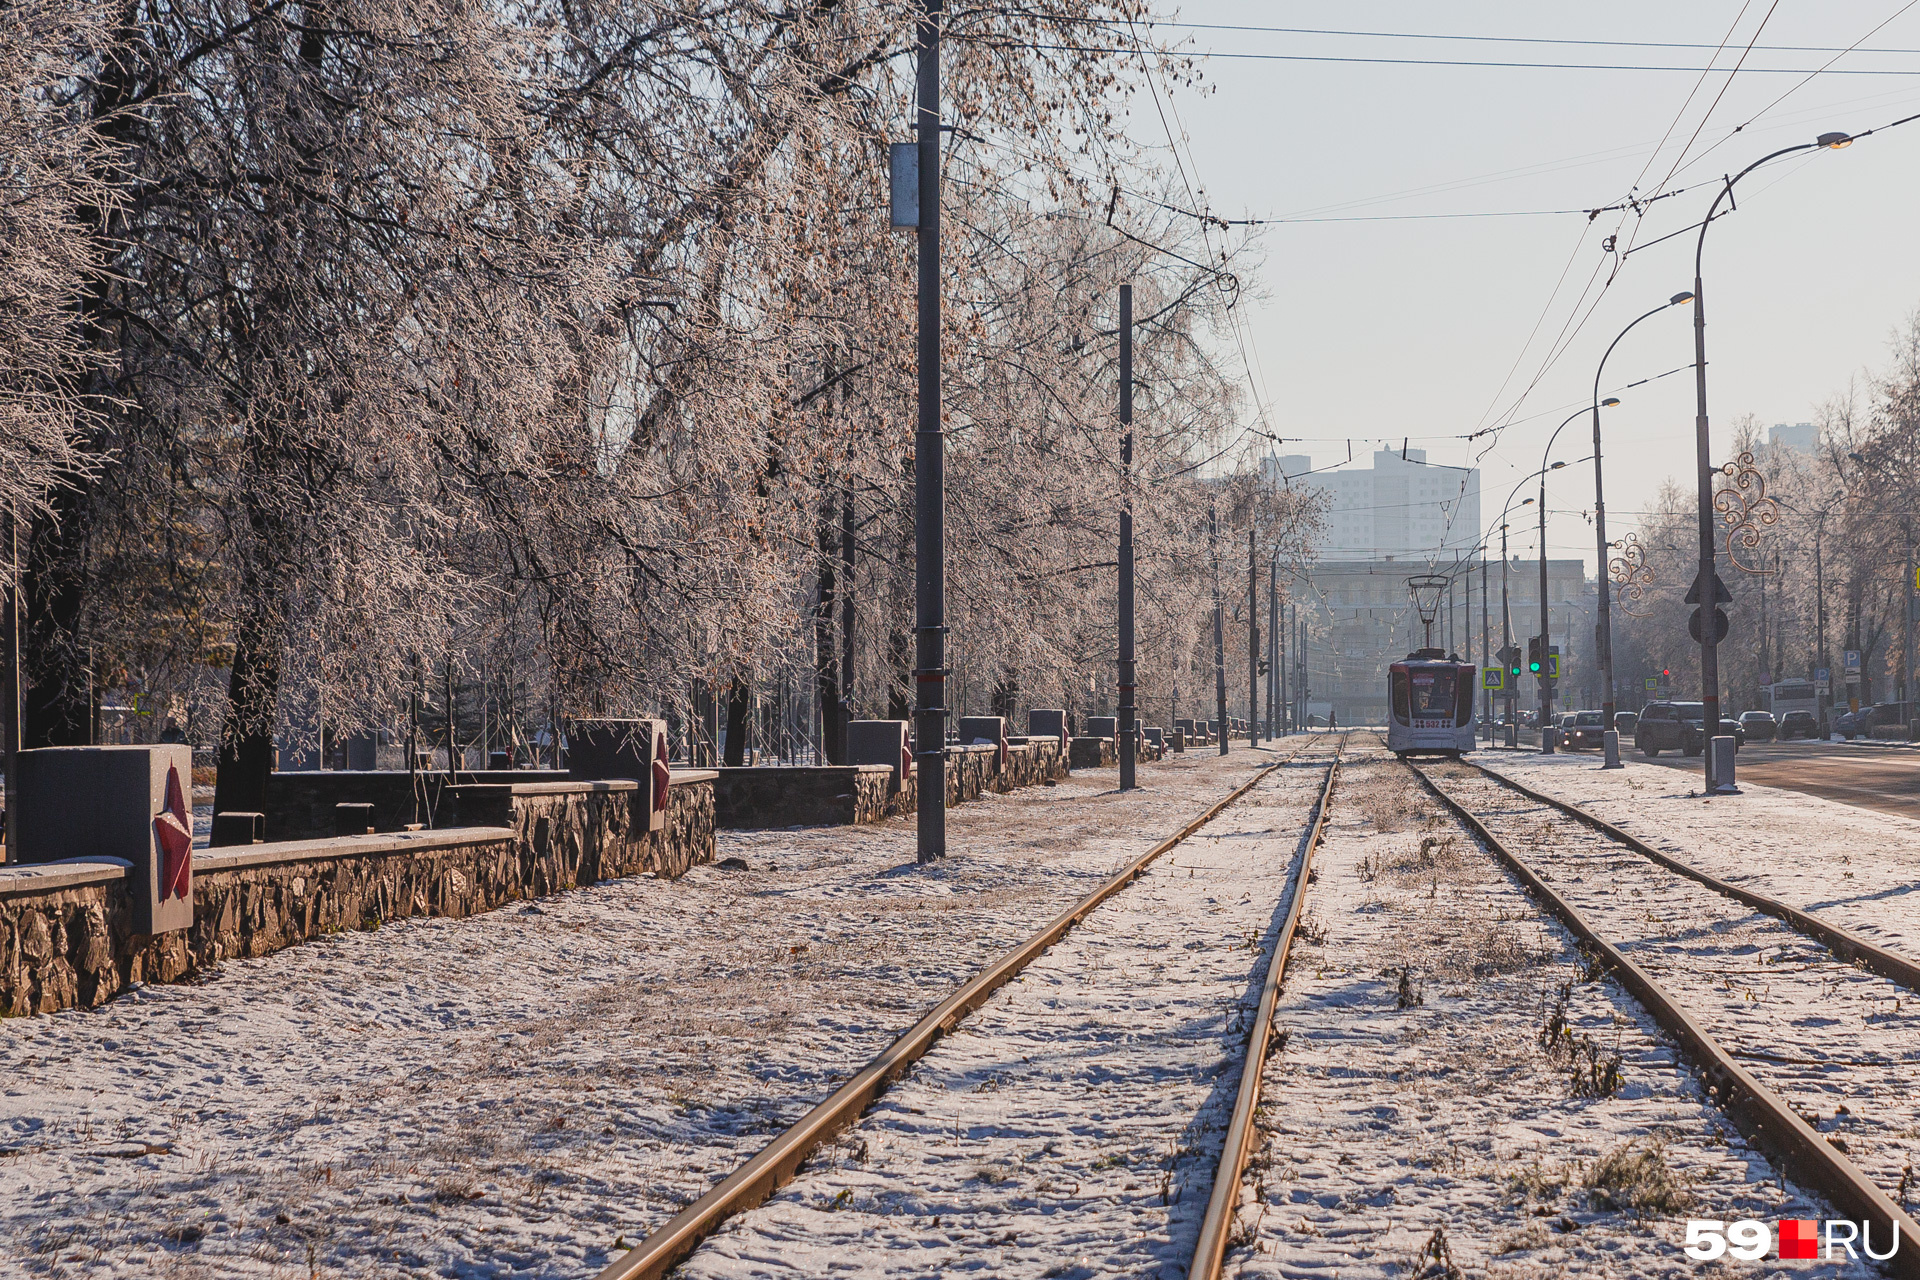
(776, 1164)
(1828, 1045)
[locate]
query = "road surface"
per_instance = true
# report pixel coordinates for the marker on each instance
(1873, 775)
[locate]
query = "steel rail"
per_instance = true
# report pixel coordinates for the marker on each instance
(779, 1160)
(1793, 1146)
(1210, 1251)
(1843, 942)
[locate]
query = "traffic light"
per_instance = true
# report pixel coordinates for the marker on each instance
(1533, 655)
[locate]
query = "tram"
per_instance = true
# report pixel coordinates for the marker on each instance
(1430, 698)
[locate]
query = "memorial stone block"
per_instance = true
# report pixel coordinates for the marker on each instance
(992, 729)
(601, 749)
(880, 742)
(1044, 722)
(128, 803)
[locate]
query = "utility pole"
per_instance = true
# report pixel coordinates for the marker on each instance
(1285, 658)
(10, 639)
(1487, 696)
(1906, 645)
(845, 710)
(1129, 747)
(929, 469)
(1219, 630)
(1821, 702)
(1273, 642)
(1253, 632)
(1507, 680)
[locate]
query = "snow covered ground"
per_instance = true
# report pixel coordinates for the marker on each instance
(523, 1092)
(1071, 1127)
(1446, 1095)
(1854, 866)
(1839, 1044)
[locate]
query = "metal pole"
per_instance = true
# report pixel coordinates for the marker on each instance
(1906, 646)
(1285, 651)
(929, 469)
(1821, 701)
(10, 747)
(1219, 631)
(1508, 681)
(1709, 602)
(845, 710)
(1129, 748)
(1488, 697)
(1546, 634)
(1253, 635)
(1273, 642)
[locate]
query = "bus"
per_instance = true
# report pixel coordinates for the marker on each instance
(1792, 695)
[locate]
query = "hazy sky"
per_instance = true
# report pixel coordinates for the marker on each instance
(1437, 327)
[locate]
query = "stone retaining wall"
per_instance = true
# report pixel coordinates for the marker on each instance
(300, 802)
(827, 795)
(64, 927)
(1092, 753)
(1031, 763)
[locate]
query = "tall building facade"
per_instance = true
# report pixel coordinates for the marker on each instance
(1401, 507)
(1401, 517)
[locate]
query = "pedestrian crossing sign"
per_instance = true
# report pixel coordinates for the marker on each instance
(1493, 678)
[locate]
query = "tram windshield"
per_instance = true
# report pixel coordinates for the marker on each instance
(1432, 690)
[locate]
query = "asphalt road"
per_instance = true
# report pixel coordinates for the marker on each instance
(1872, 775)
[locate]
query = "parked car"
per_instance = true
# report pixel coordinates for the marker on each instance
(1678, 726)
(1624, 722)
(1799, 724)
(1584, 729)
(1759, 726)
(1857, 724)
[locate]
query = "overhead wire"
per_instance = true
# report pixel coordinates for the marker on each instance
(1479, 39)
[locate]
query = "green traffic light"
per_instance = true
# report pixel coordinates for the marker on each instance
(1534, 667)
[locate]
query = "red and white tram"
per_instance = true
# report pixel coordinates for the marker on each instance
(1430, 704)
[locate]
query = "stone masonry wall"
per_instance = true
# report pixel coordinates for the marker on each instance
(65, 940)
(1092, 753)
(826, 795)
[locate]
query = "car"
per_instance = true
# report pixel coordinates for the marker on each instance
(1677, 726)
(1759, 726)
(1858, 724)
(1584, 729)
(1799, 724)
(1661, 728)
(1624, 722)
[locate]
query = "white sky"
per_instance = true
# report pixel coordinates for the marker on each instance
(1379, 330)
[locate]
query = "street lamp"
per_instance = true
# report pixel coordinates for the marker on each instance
(1546, 662)
(1706, 581)
(1605, 636)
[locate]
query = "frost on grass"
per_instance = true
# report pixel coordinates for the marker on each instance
(529, 1091)
(1634, 1177)
(1462, 1091)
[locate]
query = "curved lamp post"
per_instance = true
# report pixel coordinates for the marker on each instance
(1608, 735)
(1704, 582)
(1546, 663)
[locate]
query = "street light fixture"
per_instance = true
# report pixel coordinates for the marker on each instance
(1605, 636)
(1718, 765)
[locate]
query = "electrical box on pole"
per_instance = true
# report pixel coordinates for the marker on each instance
(903, 183)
